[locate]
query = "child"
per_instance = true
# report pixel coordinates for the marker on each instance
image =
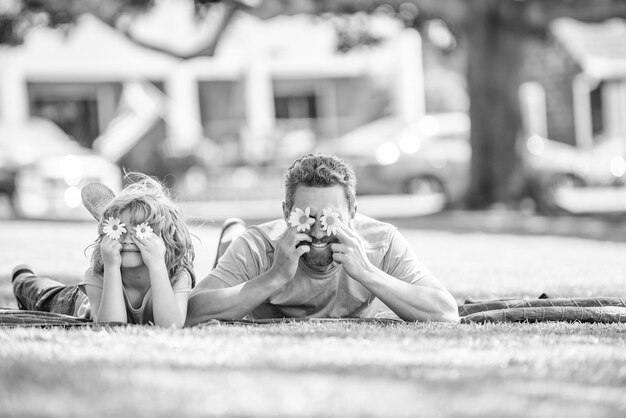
(141, 268)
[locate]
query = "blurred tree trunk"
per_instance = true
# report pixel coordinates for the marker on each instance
(495, 31)
(493, 78)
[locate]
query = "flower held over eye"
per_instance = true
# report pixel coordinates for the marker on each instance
(331, 222)
(114, 228)
(143, 230)
(301, 219)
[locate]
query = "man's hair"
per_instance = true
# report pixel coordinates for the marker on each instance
(319, 170)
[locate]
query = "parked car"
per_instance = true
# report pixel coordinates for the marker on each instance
(565, 178)
(428, 156)
(43, 170)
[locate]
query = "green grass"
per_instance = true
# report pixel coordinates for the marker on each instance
(326, 368)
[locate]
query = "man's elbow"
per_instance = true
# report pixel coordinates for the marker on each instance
(449, 311)
(197, 312)
(450, 317)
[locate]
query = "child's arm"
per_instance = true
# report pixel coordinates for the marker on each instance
(107, 304)
(169, 309)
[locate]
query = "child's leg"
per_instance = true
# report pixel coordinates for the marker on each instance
(43, 294)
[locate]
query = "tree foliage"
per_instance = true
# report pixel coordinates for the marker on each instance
(18, 17)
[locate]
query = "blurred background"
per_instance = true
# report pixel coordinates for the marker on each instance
(438, 104)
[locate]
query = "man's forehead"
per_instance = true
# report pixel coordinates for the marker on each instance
(318, 198)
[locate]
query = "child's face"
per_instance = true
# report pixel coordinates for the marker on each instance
(131, 256)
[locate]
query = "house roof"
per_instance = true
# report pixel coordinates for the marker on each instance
(599, 48)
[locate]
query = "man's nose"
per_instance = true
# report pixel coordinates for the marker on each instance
(317, 231)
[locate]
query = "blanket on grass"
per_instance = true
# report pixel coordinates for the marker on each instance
(590, 310)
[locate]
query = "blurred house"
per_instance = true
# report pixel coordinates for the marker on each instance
(272, 91)
(574, 143)
(581, 70)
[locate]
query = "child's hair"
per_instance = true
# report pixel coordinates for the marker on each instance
(148, 201)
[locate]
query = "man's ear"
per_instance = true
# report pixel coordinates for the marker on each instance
(286, 211)
(353, 211)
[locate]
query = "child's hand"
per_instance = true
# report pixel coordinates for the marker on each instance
(110, 251)
(152, 249)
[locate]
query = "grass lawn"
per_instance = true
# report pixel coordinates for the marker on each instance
(328, 368)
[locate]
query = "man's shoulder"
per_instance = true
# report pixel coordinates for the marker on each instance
(268, 232)
(373, 231)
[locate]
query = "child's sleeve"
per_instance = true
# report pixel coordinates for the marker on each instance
(91, 278)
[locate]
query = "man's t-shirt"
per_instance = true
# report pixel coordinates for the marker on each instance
(330, 294)
(141, 314)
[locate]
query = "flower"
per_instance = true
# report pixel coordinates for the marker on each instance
(331, 222)
(301, 219)
(143, 230)
(114, 228)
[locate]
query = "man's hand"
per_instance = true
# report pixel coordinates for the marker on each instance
(350, 253)
(110, 251)
(152, 250)
(287, 255)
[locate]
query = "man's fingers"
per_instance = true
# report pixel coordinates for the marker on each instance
(291, 234)
(303, 237)
(338, 248)
(349, 231)
(339, 257)
(343, 235)
(303, 249)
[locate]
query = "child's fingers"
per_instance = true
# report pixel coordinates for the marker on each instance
(138, 242)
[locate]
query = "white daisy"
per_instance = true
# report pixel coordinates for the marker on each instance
(331, 222)
(114, 228)
(143, 230)
(301, 219)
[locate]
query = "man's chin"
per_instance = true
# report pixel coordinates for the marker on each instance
(319, 260)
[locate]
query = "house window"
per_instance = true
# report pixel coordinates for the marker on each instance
(296, 107)
(78, 117)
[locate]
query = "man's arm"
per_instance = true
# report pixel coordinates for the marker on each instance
(212, 298)
(424, 300)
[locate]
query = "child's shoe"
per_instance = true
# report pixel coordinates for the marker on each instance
(15, 273)
(20, 269)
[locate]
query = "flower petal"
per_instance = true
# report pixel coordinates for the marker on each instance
(301, 219)
(114, 228)
(143, 231)
(331, 221)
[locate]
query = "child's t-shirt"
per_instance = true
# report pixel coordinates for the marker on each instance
(141, 314)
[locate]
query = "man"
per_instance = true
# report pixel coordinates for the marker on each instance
(356, 268)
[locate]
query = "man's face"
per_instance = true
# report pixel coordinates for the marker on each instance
(320, 257)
